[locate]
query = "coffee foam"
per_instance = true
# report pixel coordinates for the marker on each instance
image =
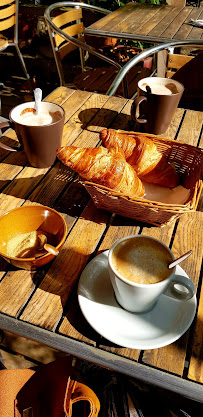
(161, 89)
(44, 118)
(142, 260)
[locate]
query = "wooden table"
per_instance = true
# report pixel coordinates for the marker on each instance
(149, 23)
(43, 306)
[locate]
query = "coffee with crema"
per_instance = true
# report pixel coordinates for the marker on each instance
(142, 260)
(161, 88)
(30, 118)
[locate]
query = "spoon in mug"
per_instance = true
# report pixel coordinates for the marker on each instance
(148, 89)
(38, 99)
(178, 260)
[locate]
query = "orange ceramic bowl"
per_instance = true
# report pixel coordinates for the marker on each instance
(27, 219)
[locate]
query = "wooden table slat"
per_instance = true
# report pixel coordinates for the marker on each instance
(196, 33)
(118, 15)
(195, 372)
(148, 23)
(63, 275)
(151, 24)
(166, 23)
(135, 20)
(178, 21)
(185, 30)
(172, 357)
(190, 128)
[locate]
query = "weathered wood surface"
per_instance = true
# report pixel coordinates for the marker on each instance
(100, 79)
(150, 23)
(47, 299)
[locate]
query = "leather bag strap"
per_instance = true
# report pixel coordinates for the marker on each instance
(75, 392)
(45, 392)
(11, 382)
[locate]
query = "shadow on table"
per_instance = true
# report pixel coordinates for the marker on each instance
(104, 117)
(76, 320)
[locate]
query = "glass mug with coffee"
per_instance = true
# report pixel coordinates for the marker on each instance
(39, 135)
(156, 103)
(138, 268)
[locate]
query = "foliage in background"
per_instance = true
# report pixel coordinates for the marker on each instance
(115, 4)
(106, 4)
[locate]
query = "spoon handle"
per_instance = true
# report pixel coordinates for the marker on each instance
(182, 258)
(38, 99)
(51, 249)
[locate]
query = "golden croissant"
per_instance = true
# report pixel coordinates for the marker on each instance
(102, 166)
(141, 152)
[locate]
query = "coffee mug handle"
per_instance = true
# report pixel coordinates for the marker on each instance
(6, 147)
(136, 106)
(181, 288)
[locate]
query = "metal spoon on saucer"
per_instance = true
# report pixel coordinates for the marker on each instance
(178, 260)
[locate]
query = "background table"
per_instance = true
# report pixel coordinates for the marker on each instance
(43, 306)
(149, 23)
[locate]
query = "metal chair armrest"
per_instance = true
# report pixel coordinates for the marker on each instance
(76, 41)
(144, 54)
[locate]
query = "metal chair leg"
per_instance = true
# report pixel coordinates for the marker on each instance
(24, 66)
(125, 87)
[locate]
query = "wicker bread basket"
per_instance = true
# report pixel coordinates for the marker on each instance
(188, 161)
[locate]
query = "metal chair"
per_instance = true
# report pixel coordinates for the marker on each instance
(9, 19)
(146, 53)
(66, 32)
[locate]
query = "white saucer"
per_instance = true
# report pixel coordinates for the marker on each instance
(165, 323)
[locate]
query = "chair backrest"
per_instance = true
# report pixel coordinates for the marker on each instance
(8, 13)
(71, 24)
(175, 62)
(66, 29)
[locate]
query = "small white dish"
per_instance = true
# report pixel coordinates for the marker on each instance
(166, 322)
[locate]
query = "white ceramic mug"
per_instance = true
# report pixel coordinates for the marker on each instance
(141, 297)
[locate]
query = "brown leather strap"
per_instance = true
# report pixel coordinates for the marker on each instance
(11, 382)
(75, 392)
(41, 392)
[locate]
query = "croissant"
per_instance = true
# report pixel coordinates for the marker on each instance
(103, 166)
(141, 152)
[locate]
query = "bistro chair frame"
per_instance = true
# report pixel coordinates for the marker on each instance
(9, 18)
(54, 30)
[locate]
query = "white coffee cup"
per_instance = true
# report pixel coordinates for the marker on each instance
(148, 254)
